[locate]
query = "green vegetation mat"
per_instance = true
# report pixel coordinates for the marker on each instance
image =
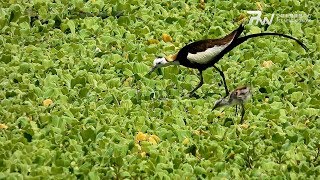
(75, 101)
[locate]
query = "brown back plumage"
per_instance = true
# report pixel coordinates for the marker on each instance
(202, 45)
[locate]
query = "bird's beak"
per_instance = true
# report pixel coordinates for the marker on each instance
(152, 69)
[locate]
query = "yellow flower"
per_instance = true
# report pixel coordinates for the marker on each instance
(267, 64)
(241, 18)
(166, 37)
(155, 137)
(137, 147)
(202, 4)
(171, 57)
(259, 6)
(196, 132)
(185, 141)
(244, 126)
(152, 141)
(3, 126)
(47, 102)
(143, 154)
(307, 122)
(141, 137)
(153, 41)
(128, 81)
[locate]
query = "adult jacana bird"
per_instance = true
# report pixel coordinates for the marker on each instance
(237, 97)
(205, 53)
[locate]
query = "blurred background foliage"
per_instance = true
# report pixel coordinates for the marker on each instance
(75, 101)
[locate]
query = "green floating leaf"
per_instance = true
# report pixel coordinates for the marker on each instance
(255, 30)
(297, 96)
(2, 71)
(278, 138)
(115, 82)
(127, 72)
(162, 175)
(15, 12)
(292, 137)
(88, 134)
(152, 49)
(216, 31)
(78, 80)
(187, 167)
(140, 68)
(10, 94)
(312, 111)
(72, 26)
(276, 105)
(93, 176)
(116, 57)
(250, 63)
(296, 29)
(108, 99)
(6, 58)
(192, 149)
(83, 92)
(27, 136)
(43, 12)
(199, 170)
(288, 86)
(171, 20)
(59, 122)
(24, 25)
(219, 166)
(25, 67)
(123, 21)
(281, 57)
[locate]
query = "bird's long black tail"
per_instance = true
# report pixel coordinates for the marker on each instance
(243, 39)
(238, 31)
(240, 40)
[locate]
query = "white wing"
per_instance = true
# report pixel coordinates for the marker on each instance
(207, 55)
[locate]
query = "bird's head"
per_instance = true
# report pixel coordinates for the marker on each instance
(157, 63)
(163, 62)
(242, 93)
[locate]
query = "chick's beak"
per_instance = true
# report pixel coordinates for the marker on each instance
(216, 105)
(219, 103)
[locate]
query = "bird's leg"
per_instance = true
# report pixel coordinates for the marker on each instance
(242, 113)
(236, 110)
(223, 78)
(199, 85)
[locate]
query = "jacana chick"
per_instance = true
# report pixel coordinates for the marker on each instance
(205, 53)
(236, 97)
